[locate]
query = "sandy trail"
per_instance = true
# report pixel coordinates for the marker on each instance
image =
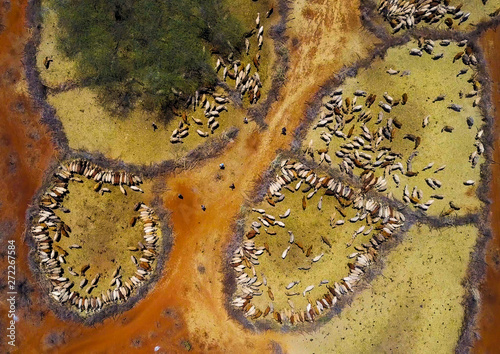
(489, 321)
(25, 146)
(188, 302)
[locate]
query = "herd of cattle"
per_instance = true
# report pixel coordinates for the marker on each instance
(212, 111)
(404, 14)
(245, 258)
(49, 228)
(237, 71)
(370, 150)
(366, 147)
(214, 104)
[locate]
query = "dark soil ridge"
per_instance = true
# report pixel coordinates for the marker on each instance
(66, 312)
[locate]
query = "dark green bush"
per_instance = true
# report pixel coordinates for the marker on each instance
(145, 49)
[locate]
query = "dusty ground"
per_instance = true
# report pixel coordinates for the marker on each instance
(25, 147)
(188, 302)
(488, 321)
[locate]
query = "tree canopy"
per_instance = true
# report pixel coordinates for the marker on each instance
(145, 49)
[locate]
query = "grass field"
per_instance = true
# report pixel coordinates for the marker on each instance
(315, 234)
(61, 69)
(246, 12)
(479, 12)
(426, 80)
(100, 224)
(130, 137)
(414, 307)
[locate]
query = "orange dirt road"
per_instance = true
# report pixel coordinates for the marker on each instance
(188, 301)
(25, 150)
(489, 318)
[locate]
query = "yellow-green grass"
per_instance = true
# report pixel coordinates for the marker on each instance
(89, 126)
(307, 226)
(61, 69)
(132, 139)
(246, 12)
(414, 307)
(478, 13)
(428, 79)
(100, 225)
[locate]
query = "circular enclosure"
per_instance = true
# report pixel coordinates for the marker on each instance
(96, 242)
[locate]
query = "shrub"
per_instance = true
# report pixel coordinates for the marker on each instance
(155, 51)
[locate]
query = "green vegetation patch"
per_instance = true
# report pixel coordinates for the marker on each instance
(415, 307)
(90, 125)
(145, 49)
(425, 159)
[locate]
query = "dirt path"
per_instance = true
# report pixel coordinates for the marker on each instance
(25, 147)
(188, 302)
(489, 321)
